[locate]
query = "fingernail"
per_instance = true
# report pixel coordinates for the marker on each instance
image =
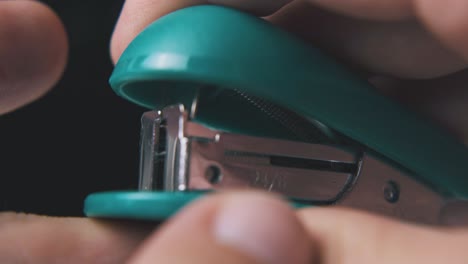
(262, 227)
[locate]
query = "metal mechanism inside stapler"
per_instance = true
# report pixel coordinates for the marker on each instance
(178, 155)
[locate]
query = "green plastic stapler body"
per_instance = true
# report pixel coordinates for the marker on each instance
(238, 103)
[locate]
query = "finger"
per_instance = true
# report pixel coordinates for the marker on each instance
(448, 20)
(346, 236)
(232, 228)
(39, 239)
(403, 49)
(258, 7)
(380, 10)
(443, 100)
(137, 14)
(33, 51)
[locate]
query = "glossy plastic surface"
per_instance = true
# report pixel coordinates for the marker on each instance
(137, 205)
(142, 205)
(209, 49)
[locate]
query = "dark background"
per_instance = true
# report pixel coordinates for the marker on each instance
(79, 138)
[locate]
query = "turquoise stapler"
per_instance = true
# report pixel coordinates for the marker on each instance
(236, 103)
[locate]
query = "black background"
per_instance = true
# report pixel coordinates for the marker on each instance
(80, 137)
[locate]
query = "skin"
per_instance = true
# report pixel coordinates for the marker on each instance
(415, 51)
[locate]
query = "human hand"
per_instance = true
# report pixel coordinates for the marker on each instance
(313, 233)
(256, 228)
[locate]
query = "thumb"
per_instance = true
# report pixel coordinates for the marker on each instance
(347, 236)
(243, 228)
(33, 51)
